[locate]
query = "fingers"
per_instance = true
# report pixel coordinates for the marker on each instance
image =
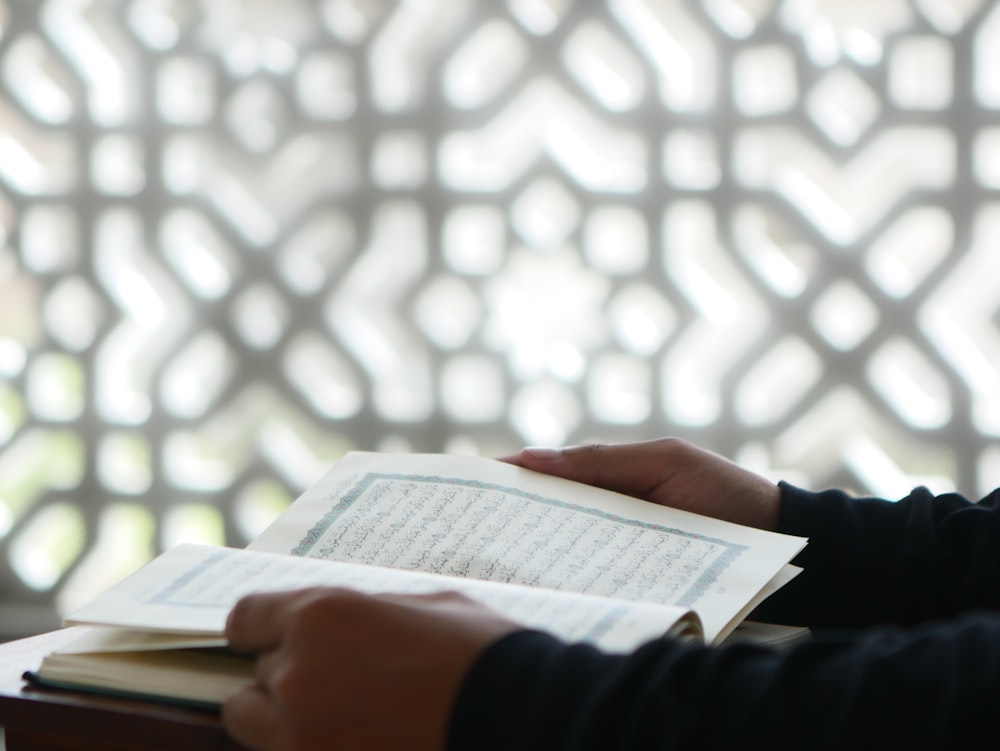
(629, 467)
(261, 622)
(667, 471)
(257, 622)
(251, 717)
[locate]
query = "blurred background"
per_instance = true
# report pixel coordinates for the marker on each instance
(241, 237)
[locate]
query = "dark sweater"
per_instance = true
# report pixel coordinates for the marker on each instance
(904, 600)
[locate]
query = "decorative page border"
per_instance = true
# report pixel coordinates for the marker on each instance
(166, 595)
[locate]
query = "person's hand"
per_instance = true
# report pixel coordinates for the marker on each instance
(668, 471)
(341, 669)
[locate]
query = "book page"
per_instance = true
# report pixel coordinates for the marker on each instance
(188, 676)
(474, 517)
(191, 588)
(116, 639)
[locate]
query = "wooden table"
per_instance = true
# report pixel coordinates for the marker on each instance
(35, 718)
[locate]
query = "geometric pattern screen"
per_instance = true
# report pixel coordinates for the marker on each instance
(240, 237)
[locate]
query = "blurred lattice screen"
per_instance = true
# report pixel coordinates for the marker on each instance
(240, 237)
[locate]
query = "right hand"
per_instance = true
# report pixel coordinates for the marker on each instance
(667, 471)
(341, 669)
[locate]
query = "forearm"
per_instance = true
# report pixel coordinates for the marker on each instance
(921, 689)
(870, 561)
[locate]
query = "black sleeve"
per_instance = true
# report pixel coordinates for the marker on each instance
(871, 561)
(930, 564)
(932, 687)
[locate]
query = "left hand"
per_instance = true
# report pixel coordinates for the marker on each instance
(341, 669)
(668, 471)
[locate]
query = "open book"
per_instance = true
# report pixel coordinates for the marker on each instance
(577, 561)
